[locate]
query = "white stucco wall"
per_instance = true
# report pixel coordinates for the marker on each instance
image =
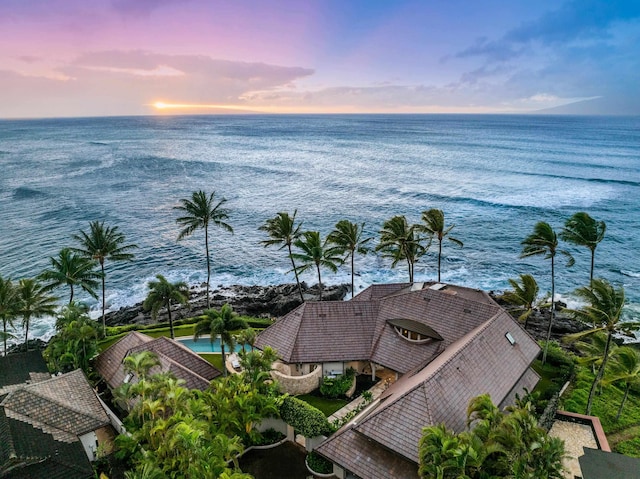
(90, 443)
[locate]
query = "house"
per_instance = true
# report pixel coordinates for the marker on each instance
(441, 345)
(174, 357)
(52, 428)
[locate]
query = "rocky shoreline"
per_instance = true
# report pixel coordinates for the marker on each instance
(259, 301)
(276, 301)
(538, 323)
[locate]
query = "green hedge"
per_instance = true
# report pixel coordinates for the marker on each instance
(304, 418)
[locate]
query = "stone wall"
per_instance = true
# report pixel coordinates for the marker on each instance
(295, 385)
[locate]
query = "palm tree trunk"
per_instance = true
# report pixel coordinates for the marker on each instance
(206, 247)
(295, 271)
(71, 296)
(409, 265)
(553, 311)
(598, 377)
(4, 337)
(224, 362)
(170, 320)
(104, 323)
(26, 332)
(624, 400)
(319, 281)
(439, 257)
(593, 259)
(352, 272)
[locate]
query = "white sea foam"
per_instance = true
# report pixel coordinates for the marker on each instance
(482, 171)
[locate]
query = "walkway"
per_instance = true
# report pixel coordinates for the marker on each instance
(575, 437)
(375, 391)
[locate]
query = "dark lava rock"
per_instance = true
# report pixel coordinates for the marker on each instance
(260, 301)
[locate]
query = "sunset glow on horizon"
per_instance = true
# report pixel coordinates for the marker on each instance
(129, 57)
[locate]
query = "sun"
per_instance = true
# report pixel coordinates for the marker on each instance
(160, 105)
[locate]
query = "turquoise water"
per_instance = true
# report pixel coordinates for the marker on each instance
(204, 345)
(495, 176)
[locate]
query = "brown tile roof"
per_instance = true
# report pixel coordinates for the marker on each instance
(174, 357)
(181, 355)
(359, 330)
(378, 291)
(323, 331)
(109, 362)
(356, 453)
(29, 452)
(20, 368)
(481, 362)
(451, 316)
(65, 406)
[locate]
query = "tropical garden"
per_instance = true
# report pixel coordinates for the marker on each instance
(219, 422)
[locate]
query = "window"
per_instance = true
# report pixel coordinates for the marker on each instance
(411, 335)
(127, 378)
(510, 338)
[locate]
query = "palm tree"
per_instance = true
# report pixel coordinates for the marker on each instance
(524, 296)
(604, 312)
(72, 270)
(8, 308)
(316, 253)
(592, 350)
(582, 230)
(544, 241)
(348, 240)
(434, 225)
(283, 231)
(247, 336)
(103, 243)
(163, 293)
(626, 370)
(140, 363)
(221, 323)
(401, 242)
(33, 302)
(199, 212)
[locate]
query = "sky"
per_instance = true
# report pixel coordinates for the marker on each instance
(61, 58)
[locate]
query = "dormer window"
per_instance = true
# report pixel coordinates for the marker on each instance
(414, 331)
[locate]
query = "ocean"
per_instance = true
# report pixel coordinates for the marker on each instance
(494, 176)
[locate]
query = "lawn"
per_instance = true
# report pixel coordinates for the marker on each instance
(214, 358)
(622, 433)
(326, 405)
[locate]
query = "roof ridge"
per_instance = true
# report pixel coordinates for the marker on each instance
(297, 325)
(34, 389)
(453, 349)
(45, 428)
(182, 347)
(143, 336)
(181, 366)
(7, 440)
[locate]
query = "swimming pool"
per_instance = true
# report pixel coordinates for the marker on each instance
(204, 345)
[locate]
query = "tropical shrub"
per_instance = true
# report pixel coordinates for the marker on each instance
(318, 463)
(496, 445)
(338, 386)
(268, 436)
(304, 418)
